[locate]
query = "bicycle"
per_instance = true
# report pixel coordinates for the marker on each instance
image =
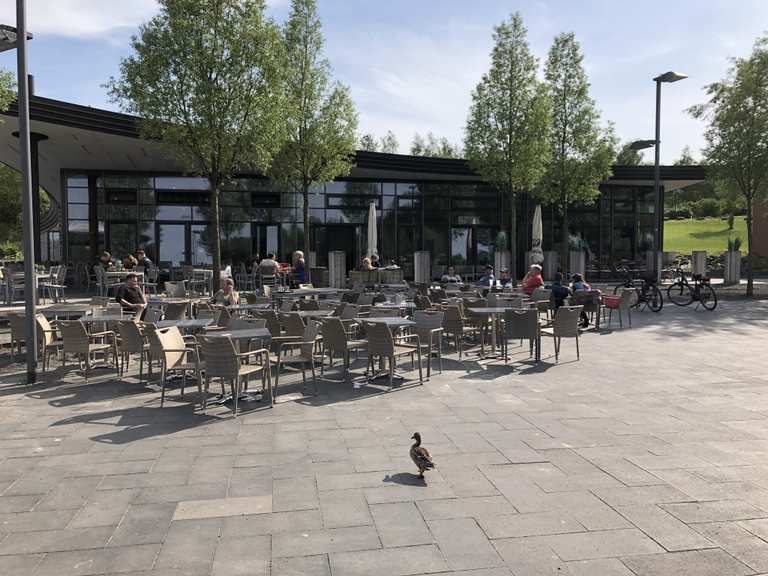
(644, 291)
(682, 293)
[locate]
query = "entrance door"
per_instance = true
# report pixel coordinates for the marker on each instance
(172, 244)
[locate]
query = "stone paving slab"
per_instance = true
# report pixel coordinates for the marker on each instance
(646, 457)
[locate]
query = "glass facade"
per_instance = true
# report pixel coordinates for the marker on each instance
(457, 222)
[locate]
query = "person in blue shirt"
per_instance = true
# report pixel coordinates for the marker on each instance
(578, 283)
(505, 278)
(559, 292)
(486, 280)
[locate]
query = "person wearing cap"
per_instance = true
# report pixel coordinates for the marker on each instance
(505, 278)
(486, 280)
(141, 258)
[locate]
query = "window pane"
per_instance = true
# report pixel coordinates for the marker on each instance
(77, 181)
(122, 239)
(201, 245)
(172, 247)
(78, 211)
(173, 213)
(180, 183)
(459, 246)
(77, 195)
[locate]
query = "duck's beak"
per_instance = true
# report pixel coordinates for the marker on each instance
(413, 437)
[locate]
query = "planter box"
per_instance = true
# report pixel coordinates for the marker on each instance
(732, 267)
(337, 269)
(699, 262)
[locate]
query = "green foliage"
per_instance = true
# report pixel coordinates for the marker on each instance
(10, 209)
(580, 150)
(7, 90)
(506, 131)
(737, 133)
(629, 157)
(387, 143)
(432, 146)
(734, 244)
(706, 208)
(205, 77)
(730, 221)
(321, 118)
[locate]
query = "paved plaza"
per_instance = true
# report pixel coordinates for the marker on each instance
(647, 457)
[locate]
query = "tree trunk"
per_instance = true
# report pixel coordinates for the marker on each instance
(512, 235)
(565, 246)
(750, 272)
(215, 236)
(307, 247)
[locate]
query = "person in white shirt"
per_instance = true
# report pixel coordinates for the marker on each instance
(227, 271)
(451, 276)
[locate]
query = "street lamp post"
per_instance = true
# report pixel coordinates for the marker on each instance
(17, 38)
(658, 220)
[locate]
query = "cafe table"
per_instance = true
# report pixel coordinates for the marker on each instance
(186, 324)
(57, 311)
(493, 313)
(394, 324)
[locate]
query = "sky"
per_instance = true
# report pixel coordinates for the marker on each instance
(411, 64)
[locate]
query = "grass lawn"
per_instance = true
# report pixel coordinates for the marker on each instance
(710, 234)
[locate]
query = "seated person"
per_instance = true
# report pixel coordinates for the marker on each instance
(532, 279)
(299, 267)
(141, 258)
(129, 262)
(226, 272)
(505, 279)
(578, 283)
(392, 266)
(559, 292)
(450, 276)
(226, 296)
(488, 279)
(269, 266)
(130, 295)
(366, 265)
(105, 260)
(375, 262)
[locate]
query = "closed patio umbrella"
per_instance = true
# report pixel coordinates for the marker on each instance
(372, 231)
(537, 237)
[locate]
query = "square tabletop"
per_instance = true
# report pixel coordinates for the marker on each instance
(490, 310)
(390, 321)
(90, 319)
(186, 323)
(68, 310)
(257, 306)
(242, 334)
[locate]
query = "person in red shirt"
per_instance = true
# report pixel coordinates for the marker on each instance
(532, 279)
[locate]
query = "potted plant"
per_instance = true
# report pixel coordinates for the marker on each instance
(732, 262)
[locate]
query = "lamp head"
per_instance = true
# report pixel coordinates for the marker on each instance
(670, 77)
(642, 144)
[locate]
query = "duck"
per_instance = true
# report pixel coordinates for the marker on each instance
(420, 455)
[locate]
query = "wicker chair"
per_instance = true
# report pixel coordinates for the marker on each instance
(422, 302)
(132, 341)
(288, 305)
(224, 362)
(18, 323)
(350, 297)
(175, 311)
(152, 315)
(565, 325)
(429, 329)
(543, 298)
(150, 279)
(50, 339)
(455, 324)
(337, 343)
(306, 356)
(55, 287)
(621, 304)
(382, 344)
(208, 314)
(177, 354)
(379, 312)
(84, 346)
(275, 329)
(522, 324)
(100, 301)
(310, 305)
(365, 300)
(176, 289)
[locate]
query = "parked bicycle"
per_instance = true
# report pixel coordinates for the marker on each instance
(683, 293)
(645, 293)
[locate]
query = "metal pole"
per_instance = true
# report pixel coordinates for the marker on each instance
(28, 231)
(657, 204)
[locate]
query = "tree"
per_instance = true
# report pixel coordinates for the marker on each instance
(737, 134)
(434, 146)
(629, 157)
(581, 151)
(205, 79)
(7, 90)
(506, 131)
(387, 143)
(321, 117)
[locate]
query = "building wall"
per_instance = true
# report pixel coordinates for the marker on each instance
(458, 222)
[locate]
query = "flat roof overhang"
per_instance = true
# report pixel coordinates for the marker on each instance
(85, 138)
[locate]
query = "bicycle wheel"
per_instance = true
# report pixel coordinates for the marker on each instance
(680, 294)
(708, 297)
(653, 298)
